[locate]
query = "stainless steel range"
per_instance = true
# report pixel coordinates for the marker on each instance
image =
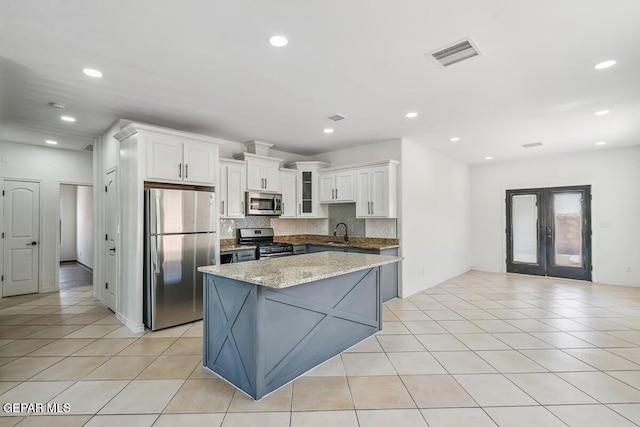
(263, 239)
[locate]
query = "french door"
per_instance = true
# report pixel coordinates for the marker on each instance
(549, 232)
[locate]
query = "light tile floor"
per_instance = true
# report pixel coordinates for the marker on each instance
(481, 349)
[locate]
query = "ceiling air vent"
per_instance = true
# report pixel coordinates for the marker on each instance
(457, 52)
(89, 148)
(336, 117)
(533, 144)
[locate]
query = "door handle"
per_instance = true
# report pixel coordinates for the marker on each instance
(336, 194)
(179, 170)
(333, 191)
(32, 244)
(222, 208)
(112, 250)
(186, 170)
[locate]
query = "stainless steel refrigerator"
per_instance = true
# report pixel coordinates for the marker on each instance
(180, 236)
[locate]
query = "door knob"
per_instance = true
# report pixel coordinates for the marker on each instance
(32, 244)
(113, 249)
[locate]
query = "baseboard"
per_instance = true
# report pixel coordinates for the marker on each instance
(86, 267)
(135, 328)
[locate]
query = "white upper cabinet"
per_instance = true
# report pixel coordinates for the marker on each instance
(174, 159)
(289, 188)
(232, 188)
(376, 191)
(263, 173)
(307, 195)
(337, 187)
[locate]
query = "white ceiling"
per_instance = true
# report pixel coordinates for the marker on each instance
(206, 66)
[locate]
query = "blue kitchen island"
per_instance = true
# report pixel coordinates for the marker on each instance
(267, 322)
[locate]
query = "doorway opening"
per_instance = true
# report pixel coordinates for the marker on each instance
(549, 232)
(76, 236)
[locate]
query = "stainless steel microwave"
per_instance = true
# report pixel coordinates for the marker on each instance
(263, 203)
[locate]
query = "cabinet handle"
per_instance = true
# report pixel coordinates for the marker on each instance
(242, 207)
(265, 183)
(222, 207)
(370, 208)
(186, 170)
(179, 170)
(300, 208)
(336, 194)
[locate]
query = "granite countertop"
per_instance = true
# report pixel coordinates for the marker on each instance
(279, 273)
(372, 243)
(230, 247)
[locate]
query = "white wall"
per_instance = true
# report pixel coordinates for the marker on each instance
(84, 218)
(370, 152)
(614, 176)
(50, 166)
(435, 228)
(68, 223)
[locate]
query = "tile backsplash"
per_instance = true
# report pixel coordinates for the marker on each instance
(346, 212)
(228, 226)
(343, 212)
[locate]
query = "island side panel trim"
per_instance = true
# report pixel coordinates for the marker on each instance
(230, 331)
(331, 315)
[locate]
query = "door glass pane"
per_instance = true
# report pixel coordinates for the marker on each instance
(307, 196)
(567, 242)
(525, 224)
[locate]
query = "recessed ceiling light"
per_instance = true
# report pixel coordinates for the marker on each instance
(328, 130)
(51, 141)
(278, 41)
(601, 143)
(68, 119)
(92, 73)
(488, 158)
(455, 139)
(605, 64)
(411, 114)
(602, 112)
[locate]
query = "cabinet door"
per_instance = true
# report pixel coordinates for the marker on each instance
(289, 189)
(272, 177)
(379, 192)
(363, 202)
(344, 186)
(222, 192)
(199, 163)
(306, 194)
(327, 188)
(235, 187)
(164, 158)
(254, 176)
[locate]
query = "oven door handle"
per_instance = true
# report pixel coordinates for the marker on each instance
(277, 254)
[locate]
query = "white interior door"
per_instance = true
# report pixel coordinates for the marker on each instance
(21, 243)
(111, 230)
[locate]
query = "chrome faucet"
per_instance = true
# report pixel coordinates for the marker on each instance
(346, 234)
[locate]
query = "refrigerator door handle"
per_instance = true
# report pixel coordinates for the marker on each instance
(156, 229)
(154, 250)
